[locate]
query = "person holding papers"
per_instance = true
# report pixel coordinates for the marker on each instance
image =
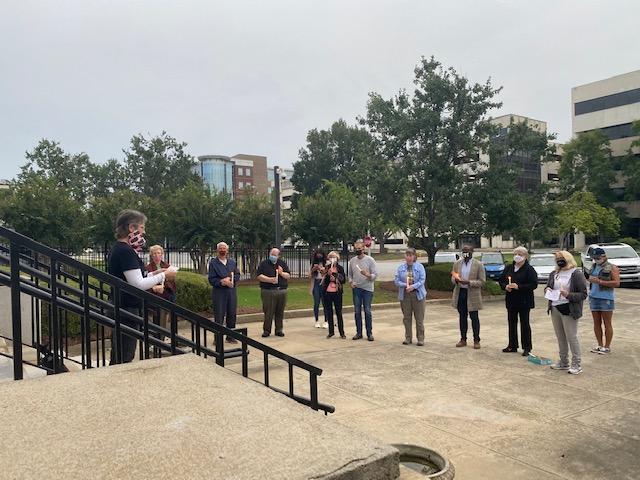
(566, 291)
(223, 277)
(362, 274)
(519, 280)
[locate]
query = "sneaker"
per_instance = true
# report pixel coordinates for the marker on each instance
(325, 325)
(317, 324)
(420, 344)
(558, 366)
(357, 337)
(596, 349)
(604, 351)
(370, 338)
(407, 342)
(575, 370)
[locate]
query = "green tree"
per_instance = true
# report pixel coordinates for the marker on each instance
(198, 220)
(107, 178)
(587, 165)
(427, 134)
(631, 167)
(67, 171)
(329, 215)
(158, 164)
(581, 212)
(40, 208)
(255, 226)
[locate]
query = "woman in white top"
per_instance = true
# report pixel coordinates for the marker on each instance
(566, 291)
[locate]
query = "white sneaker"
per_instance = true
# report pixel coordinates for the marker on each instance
(575, 370)
(317, 324)
(604, 351)
(325, 325)
(596, 349)
(558, 366)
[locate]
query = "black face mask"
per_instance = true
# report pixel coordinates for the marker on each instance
(561, 263)
(358, 252)
(466, 254)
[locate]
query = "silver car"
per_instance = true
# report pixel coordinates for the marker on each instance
(543, 264)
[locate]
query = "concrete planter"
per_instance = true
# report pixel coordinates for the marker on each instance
(435, 465)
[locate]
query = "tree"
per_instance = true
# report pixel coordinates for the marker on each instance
(428, 134)
(107, 178)
(199, 219)
(330, 215)
(581, 212)
(158, 164)
(67, 171)
(587, 165)
(40, 208)
(255, 226)
(631, 168)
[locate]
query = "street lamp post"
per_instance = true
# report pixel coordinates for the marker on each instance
(276, 181)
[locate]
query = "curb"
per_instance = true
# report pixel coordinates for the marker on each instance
(307, 312)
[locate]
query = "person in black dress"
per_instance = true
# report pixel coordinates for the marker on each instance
(519, 280)
(332, 290)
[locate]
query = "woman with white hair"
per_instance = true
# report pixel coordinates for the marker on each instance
(519, 280)
(566, 291)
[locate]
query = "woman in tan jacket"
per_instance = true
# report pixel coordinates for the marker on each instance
(468, 277)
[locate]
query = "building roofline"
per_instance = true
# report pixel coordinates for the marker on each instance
(605, 79)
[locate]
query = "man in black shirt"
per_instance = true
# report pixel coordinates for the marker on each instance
(273, 274)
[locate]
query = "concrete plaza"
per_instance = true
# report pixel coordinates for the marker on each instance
(494, 415)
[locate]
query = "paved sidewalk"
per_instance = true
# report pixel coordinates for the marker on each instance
(493, 415)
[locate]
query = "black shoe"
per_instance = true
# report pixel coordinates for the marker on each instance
(370, 338)
(279, 334)
(330, 335)
(420, 344)
(356, 337)
(343, 336)
(526, 353)
(265, 334)
(231, 340)
(407, 342)
(509, 350)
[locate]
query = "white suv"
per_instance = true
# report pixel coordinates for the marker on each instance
(622, 256)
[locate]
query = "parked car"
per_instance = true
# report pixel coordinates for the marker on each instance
(543, 264)
(493, 264)
(446, 257)
(619, 254)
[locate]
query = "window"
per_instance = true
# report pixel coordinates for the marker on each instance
(247, 171)
(553, 177)
(615, 132)
(240, 184)
(608, 101)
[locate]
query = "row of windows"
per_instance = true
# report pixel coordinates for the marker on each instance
(243, 171)
(244, 184)
(616, 132)
(608, 101)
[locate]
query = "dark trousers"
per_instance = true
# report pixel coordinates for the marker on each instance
(329, 301)
(225, 304)
(525, 328)
(317, 297)
(128, 343)
(273, 303)
(362, 300)
(464, 312)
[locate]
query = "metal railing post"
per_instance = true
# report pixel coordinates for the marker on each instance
(16, 311)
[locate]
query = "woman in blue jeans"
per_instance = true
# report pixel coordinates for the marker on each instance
(318, 260)
(603, 277)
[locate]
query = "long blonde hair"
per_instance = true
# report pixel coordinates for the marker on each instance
(571, 262)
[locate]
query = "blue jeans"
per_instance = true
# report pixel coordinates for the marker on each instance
(317, 297)
(362, 298)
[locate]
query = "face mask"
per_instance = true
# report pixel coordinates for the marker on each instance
(518, 258)
(333, 260)
(273, 258)
(222, 253)
(561, 263)
(600, 261)
(136, 240)
(359, 252)
(466, 255)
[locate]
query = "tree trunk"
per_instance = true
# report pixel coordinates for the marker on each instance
(431, 252)
(383, 249)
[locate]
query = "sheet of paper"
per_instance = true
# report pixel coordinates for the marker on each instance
(552, 295)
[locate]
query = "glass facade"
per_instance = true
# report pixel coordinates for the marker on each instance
(216, 172)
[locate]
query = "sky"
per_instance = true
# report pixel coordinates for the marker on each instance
(255, 76)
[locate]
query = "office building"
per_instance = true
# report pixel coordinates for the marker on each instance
(286, 187)
(250, 171)
(216, 172)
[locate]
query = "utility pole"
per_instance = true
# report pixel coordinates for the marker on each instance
(276, 181)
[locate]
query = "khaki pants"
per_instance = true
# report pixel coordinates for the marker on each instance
(273, 303)
(411, 306)
(566, 328)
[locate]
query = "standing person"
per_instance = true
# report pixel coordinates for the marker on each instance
(603, 277)
(316, 274)
(362, 275)
(273, 274)
(125, 264)
(411, 279)
(519, 280)
(167, 289)
(332, 290)
(224, 277)
(566, 291)
(469, 277)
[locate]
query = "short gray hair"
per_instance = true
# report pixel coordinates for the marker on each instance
(521, 251)
(220, 244)
(126, 218)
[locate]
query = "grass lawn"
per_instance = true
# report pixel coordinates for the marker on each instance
(298, 295)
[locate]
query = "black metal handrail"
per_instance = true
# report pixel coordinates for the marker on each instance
(47, 283)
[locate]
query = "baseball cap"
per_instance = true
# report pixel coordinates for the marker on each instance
(598, 252)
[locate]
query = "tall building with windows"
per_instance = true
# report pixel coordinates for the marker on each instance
(286, 187)
(216, 172)
(250, 171)
(611, 105)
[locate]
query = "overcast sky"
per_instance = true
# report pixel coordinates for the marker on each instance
(254, 76)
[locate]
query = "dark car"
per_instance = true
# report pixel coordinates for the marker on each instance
(493, 264)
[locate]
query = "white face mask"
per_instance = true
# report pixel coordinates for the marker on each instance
(518, 258)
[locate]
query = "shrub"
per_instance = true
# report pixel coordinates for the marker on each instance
(492, 288)
(194, 292)
(632, 242)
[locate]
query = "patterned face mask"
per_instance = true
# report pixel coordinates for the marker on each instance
(137, 241)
